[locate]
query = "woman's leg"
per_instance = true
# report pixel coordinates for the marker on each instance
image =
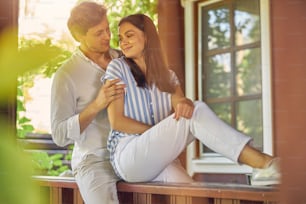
(254, 157)
(224, 139)
(174, 172)
(143, 158)
(216, 134)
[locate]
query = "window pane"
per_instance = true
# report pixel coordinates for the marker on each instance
(247, 21)
(218, 76)
(248, 77)
(250, 123)
(216, 28)
(223, 111)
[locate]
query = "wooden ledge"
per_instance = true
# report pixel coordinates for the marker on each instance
(56, 181)
(147, 193)
(200, 189)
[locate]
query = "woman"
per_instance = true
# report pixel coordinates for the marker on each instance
(154, 121)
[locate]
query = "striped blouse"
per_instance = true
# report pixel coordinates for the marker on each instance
(148, 105)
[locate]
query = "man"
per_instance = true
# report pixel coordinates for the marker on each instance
(79, 101)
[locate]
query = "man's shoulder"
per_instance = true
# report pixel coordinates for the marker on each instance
(71, 65)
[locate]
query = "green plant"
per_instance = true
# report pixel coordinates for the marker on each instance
(45, 164)
(25, 81)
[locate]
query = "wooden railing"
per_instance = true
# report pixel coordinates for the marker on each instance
(65, 191)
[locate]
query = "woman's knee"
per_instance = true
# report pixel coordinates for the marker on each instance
(200, 106)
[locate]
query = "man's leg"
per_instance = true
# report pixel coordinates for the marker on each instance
(97, 181)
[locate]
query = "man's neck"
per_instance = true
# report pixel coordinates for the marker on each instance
(101, 59)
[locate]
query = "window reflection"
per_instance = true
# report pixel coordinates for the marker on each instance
(217, 26)
(218, 76)
(248, 76)
(247, 22)
(250, 123)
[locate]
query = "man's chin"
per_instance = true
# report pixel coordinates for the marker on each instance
(105, 50)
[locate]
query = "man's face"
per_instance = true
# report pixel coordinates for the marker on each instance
(97, 38)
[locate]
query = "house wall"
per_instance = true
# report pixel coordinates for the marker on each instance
(288, 35)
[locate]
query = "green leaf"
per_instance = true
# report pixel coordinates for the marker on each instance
(28, 128)
(24, 120)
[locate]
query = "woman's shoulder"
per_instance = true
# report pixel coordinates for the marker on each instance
(119, 60)
(116, 68)
(117, 63)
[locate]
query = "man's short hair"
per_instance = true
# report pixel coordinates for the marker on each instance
(85, 16)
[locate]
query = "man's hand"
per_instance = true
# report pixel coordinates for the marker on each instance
(111, 90)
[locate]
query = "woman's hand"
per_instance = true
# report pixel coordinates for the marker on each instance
(184, 108)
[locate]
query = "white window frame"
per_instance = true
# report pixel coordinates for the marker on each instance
(215, 163)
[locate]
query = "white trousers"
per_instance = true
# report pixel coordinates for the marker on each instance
(97, 181)
(147, 157)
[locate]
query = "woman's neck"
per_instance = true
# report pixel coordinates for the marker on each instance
(141, 64)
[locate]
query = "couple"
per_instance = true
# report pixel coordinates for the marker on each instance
(135, 125)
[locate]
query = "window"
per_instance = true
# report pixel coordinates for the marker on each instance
(230, 71)
(233, 73)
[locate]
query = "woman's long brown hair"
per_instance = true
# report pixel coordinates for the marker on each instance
(157, 71)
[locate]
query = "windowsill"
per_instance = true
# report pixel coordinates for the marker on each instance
(218, 164)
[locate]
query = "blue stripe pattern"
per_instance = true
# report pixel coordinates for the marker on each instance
(148, 105)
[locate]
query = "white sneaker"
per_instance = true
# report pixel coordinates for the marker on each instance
(268, 176)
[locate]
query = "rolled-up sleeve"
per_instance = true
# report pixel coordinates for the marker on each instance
(65, 125)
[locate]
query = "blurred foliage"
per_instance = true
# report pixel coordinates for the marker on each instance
(16, 185)
(25, 81)
(51, 165)
(45, 164)
(17, 61)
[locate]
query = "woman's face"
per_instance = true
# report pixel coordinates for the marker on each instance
(132, 41)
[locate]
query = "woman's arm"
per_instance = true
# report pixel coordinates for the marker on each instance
(183, 107)
(122, 123)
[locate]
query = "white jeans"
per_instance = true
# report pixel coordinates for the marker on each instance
(145, 157)
(97, 181)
